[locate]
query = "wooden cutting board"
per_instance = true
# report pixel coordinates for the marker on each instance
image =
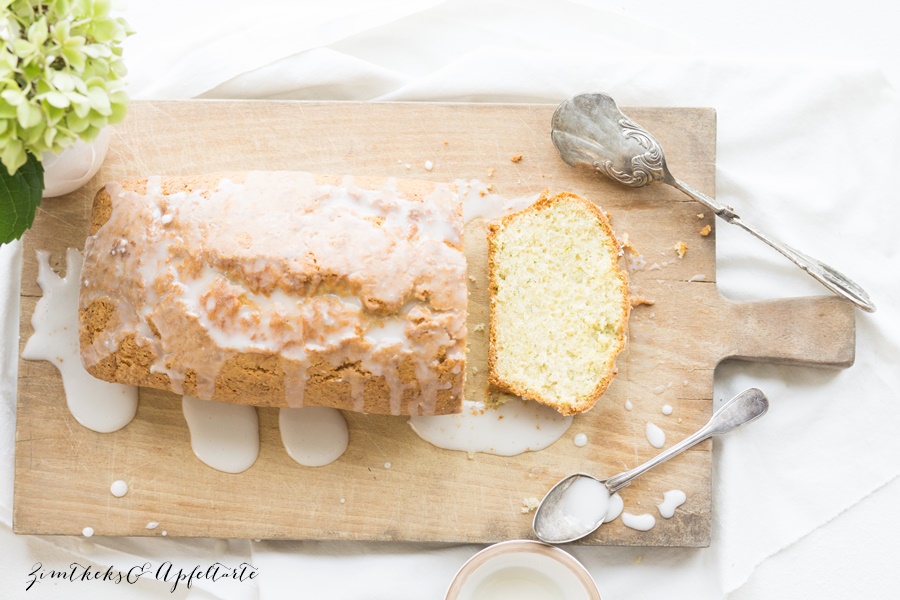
(63, 471)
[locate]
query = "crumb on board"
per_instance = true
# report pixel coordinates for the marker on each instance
(705, 231)
(490, 187)
(701, 215)
(637, 300)
(681, 248)
(479, 327)
(530, 505)
(627, 245)
(473, 279)
(446, 143)
(516, 158)
(491, 172)
(482, 193)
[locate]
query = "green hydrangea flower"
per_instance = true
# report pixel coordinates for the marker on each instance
(61, 75)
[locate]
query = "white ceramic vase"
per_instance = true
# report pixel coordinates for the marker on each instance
(73, 167)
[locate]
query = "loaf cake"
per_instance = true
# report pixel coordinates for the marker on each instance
(279, 289)
(559, 303)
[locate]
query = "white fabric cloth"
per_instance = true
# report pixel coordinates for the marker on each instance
(807, 147)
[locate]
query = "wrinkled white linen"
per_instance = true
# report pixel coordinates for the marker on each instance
(806, 151)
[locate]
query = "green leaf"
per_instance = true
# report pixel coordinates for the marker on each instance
(20, 195)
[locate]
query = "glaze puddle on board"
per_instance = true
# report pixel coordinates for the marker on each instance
(314, 436)
(638, 522)
(98, 405)
(655, 435)
(512, 428)
(671, 500)
(223, 436)
(118, 488)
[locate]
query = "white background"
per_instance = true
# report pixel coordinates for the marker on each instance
(809, 123)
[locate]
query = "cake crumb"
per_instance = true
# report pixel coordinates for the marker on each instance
(473, 279)
(482, 193)
(479, 327)
(490, 186)
(701, 215)
(705, 231)
(681, 248)
(446, 143)
(637, 300)
(491, 172)
(516, 158)
(530, 505)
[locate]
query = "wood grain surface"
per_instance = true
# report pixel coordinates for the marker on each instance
(63, 471)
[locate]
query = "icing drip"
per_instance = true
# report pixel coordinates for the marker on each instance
(313, 436)
(512, 428)
(98, 405)
(223, 436)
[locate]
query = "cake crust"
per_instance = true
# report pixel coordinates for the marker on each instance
(608, 368)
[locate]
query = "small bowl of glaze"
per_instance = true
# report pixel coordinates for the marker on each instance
(524, 570)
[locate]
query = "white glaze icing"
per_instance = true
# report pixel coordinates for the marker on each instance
(671, 500)
(639, 522)
(480, 203)
(585, 503)
(223, 436)
(118, 488)
(512, 428)
(616, 504)
(520, 583)
(98, 405)
(313, 436)
(655, 435)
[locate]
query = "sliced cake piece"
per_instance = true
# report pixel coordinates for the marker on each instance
(559, 303)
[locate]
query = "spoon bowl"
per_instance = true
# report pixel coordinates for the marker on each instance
(578, 505)
(589, 130)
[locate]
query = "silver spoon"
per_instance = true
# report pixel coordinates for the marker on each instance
(590, 130)
(551, 521)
